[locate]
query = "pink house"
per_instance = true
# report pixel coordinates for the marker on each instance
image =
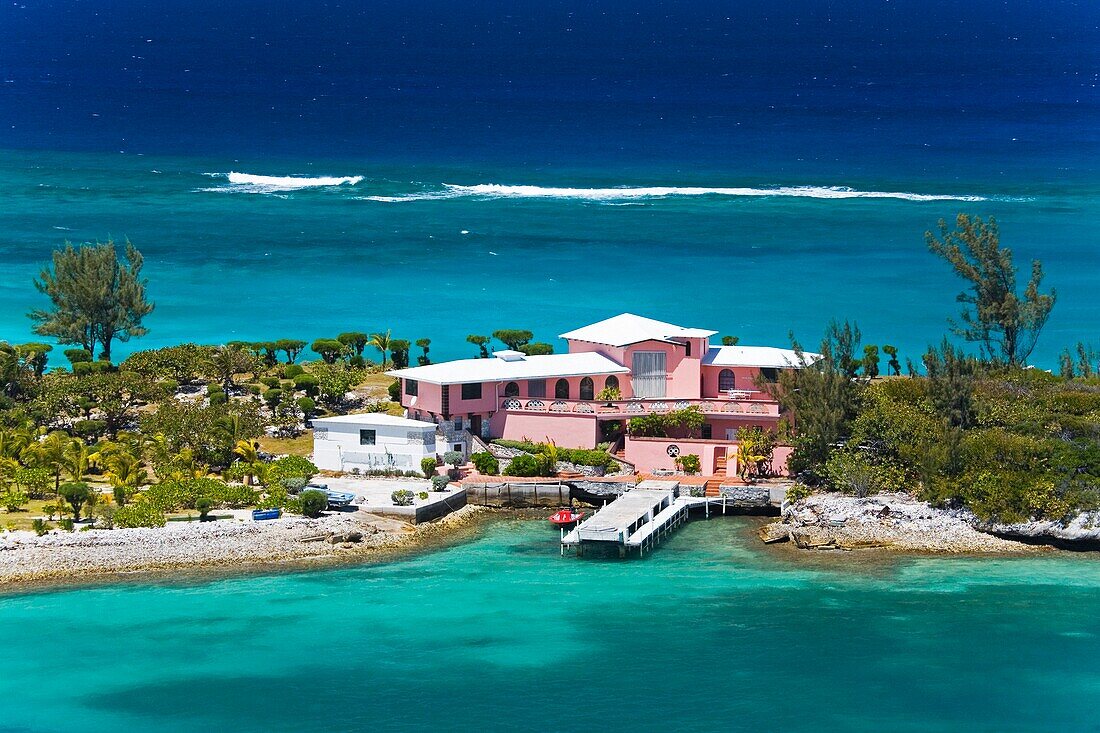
(653, 366)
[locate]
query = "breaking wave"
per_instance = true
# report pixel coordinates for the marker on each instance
(249, 183)
(496, 191)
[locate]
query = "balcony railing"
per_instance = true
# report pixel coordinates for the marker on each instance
(761, 407)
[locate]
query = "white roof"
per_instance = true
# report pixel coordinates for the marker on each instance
(755, 356)
(627, 328)
(468, 371)
(374, 418)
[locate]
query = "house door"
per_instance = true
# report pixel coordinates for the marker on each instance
(475, 425)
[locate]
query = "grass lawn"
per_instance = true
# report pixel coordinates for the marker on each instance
(300, 446)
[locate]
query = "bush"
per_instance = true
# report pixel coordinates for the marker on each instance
(78, 356)
(306, 383)
(13, 498)
(39, 526)
(440, 483)
(139, 514)
(306, 405)
(428, 466)
(204, 506)
(402, 497)
(289, 467)
(486, 463)
(395, 390)
(453, 458)
(522, 465)
(689, 464)
(313, 503)
(423, 495)
(76, 494)
(269, 382)
(290, 371)
(272, 397)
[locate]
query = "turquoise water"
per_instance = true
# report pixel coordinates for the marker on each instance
(710, 633)
(232, 262)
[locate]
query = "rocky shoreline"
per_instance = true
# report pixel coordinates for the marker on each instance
(896, 522)
(218, 547)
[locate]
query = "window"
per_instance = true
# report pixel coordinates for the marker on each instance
(458, 422)
(367, 437)
(687, 348)
(471, 391)
(648, 373)
(411, 387)
(561, 389)
(726, 381)
(770, 374)
(587, 389)
(445, 399)
(536, 387)
(511, 390)
(708, 431)
(611, 382)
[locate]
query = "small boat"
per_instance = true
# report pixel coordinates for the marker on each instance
(565, 517)
(261, 514)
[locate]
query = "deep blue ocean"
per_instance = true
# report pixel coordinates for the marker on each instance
(487, 137)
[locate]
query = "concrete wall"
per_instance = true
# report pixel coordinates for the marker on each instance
(567, 430)
(649, 454)
(336, 447)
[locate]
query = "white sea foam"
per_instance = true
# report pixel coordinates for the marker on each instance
(494, 191)
(250, 183)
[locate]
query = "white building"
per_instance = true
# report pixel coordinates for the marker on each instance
(371, 441)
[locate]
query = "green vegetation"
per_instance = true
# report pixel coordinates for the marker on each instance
(688, 463)
(428, 465)
(683, 423)
(94, 298)
(486, 463)
(402, 497)
(576, 456)
(313, 502)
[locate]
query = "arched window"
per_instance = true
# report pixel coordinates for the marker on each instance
(511, 390)
(561, 389)
(611, 382)
(588, 390)
(726, 381)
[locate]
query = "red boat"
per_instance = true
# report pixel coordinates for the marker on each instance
(565, 517)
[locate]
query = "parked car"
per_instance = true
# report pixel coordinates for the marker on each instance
(336, 499)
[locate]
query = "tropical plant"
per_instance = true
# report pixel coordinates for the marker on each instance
(440, 483)
(1004, 322)
(428, 465)
(402, 497)
(399, 353)
(486, 463)
(513, 338)
(225, 363)
(291, 347)
(689, 463)
(381, 341)
(76, 494)
(425, 344)
(203, 506)
(95, 298)
(139, 514)
(248, 454)
(482, 343)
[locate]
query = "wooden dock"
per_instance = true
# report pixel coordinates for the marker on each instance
(639, 519)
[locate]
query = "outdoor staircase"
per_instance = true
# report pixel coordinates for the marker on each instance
(570, 474)
(713, 486)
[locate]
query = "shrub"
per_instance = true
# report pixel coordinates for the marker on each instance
(13, 498)
(290, 371)
(797, 491)
(453, 458)
(440, 483)
(306, 405)
(486, 463)
(39, 526)
(313, 503)
(78, 356)
(218, 398)
(77, 494)
(204, 506)
(272, 397)
(402, 497)
(395, 390)
(428, 466)
(289, 467)
(522, 465)
(139, 514)
(423, 495)
(307, 383)
(169, 386)
(270, 382)
(66, 524)
(689, 464)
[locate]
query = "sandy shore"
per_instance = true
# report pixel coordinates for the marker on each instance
(214, 547)
(886, 522)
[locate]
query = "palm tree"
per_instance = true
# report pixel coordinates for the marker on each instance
(77, 459)
(248, 452)
(124, 471)
(226, 362)
(381, 341)
(49, 453)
